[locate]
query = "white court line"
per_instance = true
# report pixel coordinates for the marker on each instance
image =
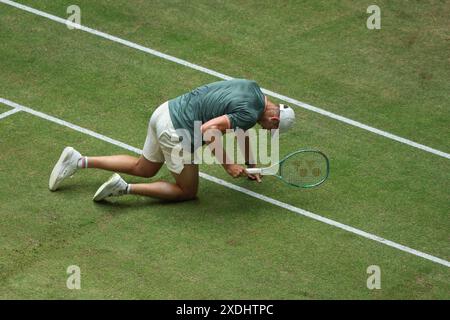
(226, 77)
(9, 112)
(238, 188)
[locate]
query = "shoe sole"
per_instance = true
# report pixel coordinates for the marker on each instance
(53, 182)
(101, 194)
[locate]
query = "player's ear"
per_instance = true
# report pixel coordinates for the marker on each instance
(275, 120)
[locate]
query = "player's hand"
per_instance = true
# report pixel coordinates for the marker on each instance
(236, 170)
(256, 177)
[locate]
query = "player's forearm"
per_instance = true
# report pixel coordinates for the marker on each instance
(247, 151)
(249, 159)
(226, 161)
(217, 149)
(221, 123)
(221, 156)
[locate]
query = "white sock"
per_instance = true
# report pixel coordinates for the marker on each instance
(82, 163)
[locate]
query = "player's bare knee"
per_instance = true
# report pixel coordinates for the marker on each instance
(189, 194)
(146, 174)
(137, 171)
(142, 171)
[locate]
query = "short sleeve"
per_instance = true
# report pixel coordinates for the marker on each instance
(242, 117)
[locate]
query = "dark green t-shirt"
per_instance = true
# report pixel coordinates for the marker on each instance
(241, 100)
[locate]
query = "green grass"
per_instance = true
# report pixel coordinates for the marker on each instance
(139, 248)
(317, 51)
(225, 244)
(4, 108)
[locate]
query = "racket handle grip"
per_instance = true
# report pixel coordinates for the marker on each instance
(253, 170)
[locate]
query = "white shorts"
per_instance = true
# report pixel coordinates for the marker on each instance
(162, 142)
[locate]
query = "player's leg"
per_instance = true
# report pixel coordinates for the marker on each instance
(184, 188)
(71, 160)
(185, 173)
(164, 148)
(135, 166)
(145, 166)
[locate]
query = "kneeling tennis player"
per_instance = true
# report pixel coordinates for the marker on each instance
(222, 105)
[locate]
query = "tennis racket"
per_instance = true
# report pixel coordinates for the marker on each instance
(305, 168)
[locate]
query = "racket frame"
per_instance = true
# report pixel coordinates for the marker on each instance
(273, 170)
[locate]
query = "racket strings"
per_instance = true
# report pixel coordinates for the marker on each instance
(305, 169)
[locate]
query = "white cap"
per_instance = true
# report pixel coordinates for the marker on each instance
(287, 118)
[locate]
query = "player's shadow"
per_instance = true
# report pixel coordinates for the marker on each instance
(116, 205)
(204, 207)
(79, 185)
(137, 202)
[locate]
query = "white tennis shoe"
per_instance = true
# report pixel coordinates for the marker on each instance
(115, 186)
(65, 167)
